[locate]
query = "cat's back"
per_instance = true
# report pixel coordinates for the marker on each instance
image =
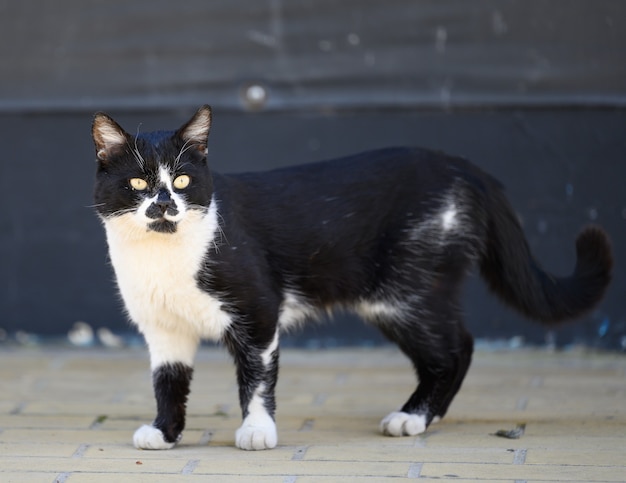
(362, 166)
(360, 183)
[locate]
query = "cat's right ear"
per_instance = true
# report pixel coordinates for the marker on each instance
(108, 136)
(196, 131)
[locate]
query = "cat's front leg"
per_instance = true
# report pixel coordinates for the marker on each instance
(257, 372)
(171, 361)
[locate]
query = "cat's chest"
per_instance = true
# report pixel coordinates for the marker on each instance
(157, 278)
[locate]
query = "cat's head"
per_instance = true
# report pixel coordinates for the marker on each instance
(152, 180)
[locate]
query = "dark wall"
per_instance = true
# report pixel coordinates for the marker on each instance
(534, 91)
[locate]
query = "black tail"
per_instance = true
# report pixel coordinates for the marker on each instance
(512, 273)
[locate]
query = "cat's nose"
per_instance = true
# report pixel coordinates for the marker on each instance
(164, 201)
(164, 205)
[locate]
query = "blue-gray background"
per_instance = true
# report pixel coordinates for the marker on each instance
(534, 91)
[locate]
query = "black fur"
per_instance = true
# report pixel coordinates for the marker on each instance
(171, 387)
(397, 227)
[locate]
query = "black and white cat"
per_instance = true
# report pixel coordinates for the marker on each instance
(389, 234)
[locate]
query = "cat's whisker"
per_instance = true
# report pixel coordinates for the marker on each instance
(135, 150)
(220, 231)
(222, 239)
(140, 161)
(188, 144)
(137, 155)
(122, 212)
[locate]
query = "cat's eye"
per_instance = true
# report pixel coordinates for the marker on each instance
(181, 182)
(138, 184)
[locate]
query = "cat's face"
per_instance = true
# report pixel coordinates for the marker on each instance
(152, 181)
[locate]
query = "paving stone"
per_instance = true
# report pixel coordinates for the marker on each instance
(135, 465)
(379, 479)
(62, 436)
(576, 457)
(39, 421)
(410, 454)
(27, 477)
(319, 468)
(62, 450)
(524, 472)
(87, 477)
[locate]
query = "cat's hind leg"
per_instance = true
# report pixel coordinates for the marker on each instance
(440, 353)
(257, 371)
(171, 361)
(464, 359)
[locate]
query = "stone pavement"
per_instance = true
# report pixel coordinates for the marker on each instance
(68, 415)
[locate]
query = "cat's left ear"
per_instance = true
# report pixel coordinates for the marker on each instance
(108, 136)
(196, 131)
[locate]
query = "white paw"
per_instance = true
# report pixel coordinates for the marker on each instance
(149, 437)
(399, 423)
(260, 435)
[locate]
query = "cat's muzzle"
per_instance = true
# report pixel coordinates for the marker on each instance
(161, 210)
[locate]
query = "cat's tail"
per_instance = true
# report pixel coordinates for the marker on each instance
(516, 277)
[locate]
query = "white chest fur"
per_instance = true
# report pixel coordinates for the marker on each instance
(156, 274)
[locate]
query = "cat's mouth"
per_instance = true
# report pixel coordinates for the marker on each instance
(163, 226)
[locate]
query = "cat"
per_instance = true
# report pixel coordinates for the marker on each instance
(389, 234)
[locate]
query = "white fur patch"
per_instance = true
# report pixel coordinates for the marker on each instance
(294, 310)
(156, 275)
(449, 219)
(378, 309)
(258, 430)
(165, 177)
(167, 345)
(399, 423)
(149, 437)
(266, 355)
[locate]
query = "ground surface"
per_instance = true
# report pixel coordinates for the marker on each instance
(68, 415)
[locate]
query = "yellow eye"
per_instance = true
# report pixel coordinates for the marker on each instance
(138, 184)
(181, 182)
